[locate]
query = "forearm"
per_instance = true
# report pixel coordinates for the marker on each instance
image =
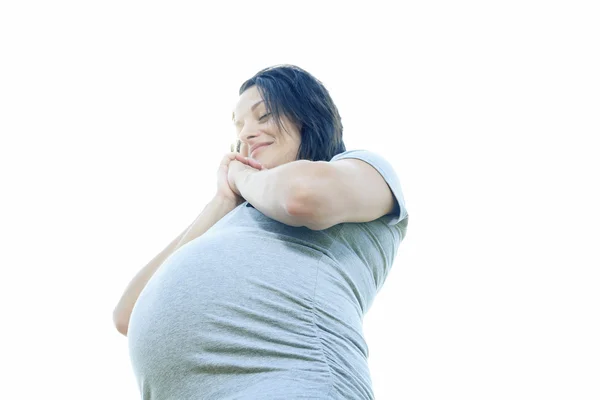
(212, 213)
(277, 192)
(216, 209)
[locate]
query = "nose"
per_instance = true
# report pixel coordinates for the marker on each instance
(249, 132)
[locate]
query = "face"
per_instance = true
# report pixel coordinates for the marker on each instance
(255, 125)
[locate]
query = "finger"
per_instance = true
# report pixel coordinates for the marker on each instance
(241, 158)
(227, 159)
(255, 164)
(252, 162)
(246, 160)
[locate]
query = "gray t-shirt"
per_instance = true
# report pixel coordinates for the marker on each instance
(256, 309)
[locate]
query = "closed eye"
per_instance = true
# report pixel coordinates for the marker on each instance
(264, 116)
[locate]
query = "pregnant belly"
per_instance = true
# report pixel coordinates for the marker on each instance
(213, 311)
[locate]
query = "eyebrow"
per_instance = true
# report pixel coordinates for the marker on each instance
(251, 109)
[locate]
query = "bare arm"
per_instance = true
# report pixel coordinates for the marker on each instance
(213, 212)
(278, 192)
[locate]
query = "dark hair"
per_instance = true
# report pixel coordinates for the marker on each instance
(291, 91)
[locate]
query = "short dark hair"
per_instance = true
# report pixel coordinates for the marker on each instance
(291, 91)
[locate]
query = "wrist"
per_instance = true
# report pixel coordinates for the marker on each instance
(226, 202)
(242, 177)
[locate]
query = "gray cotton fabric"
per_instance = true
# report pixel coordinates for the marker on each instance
(256, 309)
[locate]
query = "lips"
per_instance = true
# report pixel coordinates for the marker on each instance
(258, 146)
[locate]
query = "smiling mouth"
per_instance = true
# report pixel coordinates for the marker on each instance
(260, 147)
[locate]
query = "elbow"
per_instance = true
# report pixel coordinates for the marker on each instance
(305, 210)
(317, 225)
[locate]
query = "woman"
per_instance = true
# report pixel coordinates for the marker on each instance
(267, 300)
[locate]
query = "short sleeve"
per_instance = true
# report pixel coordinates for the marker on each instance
(399, 214)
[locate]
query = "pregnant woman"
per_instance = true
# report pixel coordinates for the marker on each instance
(263, 295)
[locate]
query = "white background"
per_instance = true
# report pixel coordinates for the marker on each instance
(115, 115)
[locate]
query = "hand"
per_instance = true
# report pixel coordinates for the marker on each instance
(223, 188)
(239, 165)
